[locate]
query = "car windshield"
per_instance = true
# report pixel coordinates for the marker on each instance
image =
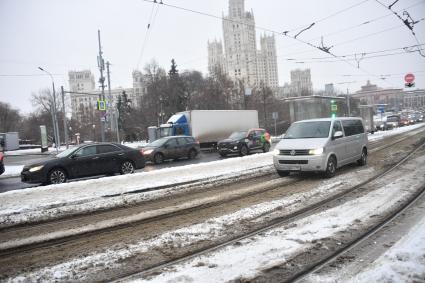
(67, 152)
(238, 135)
(306, 130)
(166, 131)
(157, 143)
(393, 118)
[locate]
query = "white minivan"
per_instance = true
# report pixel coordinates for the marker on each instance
(321, 145)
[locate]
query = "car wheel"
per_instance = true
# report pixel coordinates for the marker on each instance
(243, 151)
(330, 167)
(363, 159)
(158, 158)
(192, 154)
(266, 147)
(56, 176)
(283, 173)
(127, 167)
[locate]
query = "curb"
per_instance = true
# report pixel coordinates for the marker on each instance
(9, 176)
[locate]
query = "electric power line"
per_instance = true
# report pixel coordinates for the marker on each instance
(408, 21)
(151, 22)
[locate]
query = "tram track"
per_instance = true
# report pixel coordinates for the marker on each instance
(28, 247)
(132, 216)
(279, 222)
(371, 232)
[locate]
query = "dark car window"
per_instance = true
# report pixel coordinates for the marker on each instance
(107, 148)
(307, 130)
(190, 140)
(182, 141)
(259, 133)
(352, 127)
(86, 151)
(172, 143)
(336, 127)
(238, 135)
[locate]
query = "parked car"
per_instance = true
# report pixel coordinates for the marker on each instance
(244, 142)
(84, 161)
(404, 121)
(173, 147)
(321, 145)
(1, 163)
(393, 121)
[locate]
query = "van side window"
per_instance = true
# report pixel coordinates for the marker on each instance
(337, 127)
(352, 127)
(359, 127)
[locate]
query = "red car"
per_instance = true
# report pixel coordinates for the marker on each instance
(1, 163)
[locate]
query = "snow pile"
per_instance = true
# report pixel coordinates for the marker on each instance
(135, 144)
(404, 262)
(246, 258)
(12, 170)
(90, 195)
(383, 134)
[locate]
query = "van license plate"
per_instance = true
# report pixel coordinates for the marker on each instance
(295, 168)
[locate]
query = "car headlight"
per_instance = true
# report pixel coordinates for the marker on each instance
(235, 147)
(317, 151)
(276, 152)
(147, 152)
(36, 168)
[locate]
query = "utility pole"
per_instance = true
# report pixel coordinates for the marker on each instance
(112, 112)
(348, 103)
(101, 65)
(65, 127)
(54, 111)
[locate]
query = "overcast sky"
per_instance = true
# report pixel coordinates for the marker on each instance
(61, 35)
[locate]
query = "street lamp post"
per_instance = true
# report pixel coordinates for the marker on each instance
(54, 118)
(94, 132)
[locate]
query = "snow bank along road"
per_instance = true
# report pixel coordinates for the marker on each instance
(207, 214)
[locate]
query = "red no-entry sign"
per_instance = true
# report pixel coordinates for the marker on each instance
(409, 78)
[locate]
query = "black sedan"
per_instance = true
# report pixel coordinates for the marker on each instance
(85, 161)
(173, 147)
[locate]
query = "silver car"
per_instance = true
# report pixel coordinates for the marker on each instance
(321, 145)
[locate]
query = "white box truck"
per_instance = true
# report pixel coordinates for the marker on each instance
(206, 126)
(10, 141)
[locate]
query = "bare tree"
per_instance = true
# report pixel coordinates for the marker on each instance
(10, 118)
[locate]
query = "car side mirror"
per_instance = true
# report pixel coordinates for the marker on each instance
(338, 135)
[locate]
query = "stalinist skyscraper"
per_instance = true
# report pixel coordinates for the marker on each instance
(242, 61)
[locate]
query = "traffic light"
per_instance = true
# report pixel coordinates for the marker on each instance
(334, 108)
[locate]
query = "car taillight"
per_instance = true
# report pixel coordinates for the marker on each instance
(1, 156)
(197, 141)
(141, 151)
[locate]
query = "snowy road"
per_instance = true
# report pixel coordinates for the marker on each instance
(139, 246)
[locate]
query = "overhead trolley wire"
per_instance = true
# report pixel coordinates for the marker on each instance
(322, 48)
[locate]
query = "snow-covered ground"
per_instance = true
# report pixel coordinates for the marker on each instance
(276, 246)
(252, 255)
(403, 262)
(383, 134)
(30, 151)
(12, 171)
(40, 202)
